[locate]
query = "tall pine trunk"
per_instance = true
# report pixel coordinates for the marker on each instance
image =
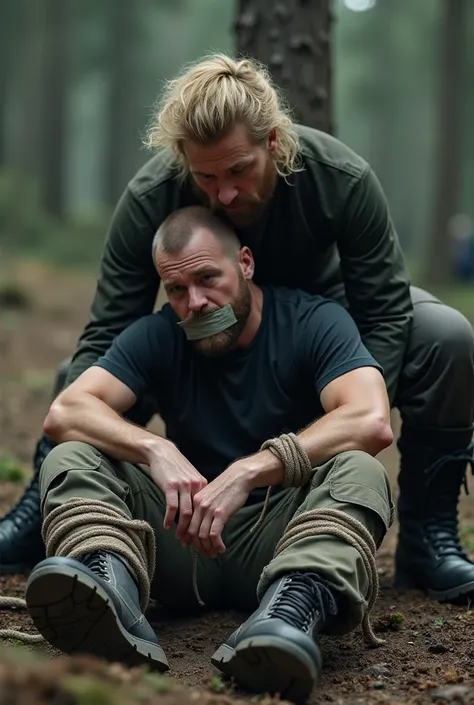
(122, 106)
(447, 164)
(54, 114)
(293, 39)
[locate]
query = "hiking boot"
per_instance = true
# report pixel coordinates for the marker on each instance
(275, 650)
(21, 545)
(91, 606)
(429, 554)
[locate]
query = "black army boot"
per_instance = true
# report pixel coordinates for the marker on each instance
(21, 545)
(429, 554)
(91, 606)
(275, 650)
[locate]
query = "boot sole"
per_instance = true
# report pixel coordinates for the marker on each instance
(267, 664)
(405, 581)
(76, 616)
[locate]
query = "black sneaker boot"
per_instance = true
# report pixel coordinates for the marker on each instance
(21, 545)
(91, 606)
(429, 554)
(275, 650)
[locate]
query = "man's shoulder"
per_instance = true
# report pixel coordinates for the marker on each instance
(159, 173)
(303, 301)
(306, 314)
(152, 327)
(321, 151)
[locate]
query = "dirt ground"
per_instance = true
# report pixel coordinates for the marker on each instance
(430, 658)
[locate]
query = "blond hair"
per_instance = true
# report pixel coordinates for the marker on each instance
(213, 95)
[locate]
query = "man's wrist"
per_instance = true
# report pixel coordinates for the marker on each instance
(265, 469)
(151, 447)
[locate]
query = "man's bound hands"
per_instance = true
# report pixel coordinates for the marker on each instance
(213, 506)
(179, 481)
(204, 509)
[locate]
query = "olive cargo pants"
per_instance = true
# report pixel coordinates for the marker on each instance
(353, 482)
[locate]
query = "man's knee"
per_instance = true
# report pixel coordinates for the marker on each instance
(360, 479)
(440, 328)
(71, 455)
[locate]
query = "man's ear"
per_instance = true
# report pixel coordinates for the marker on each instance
(246, 262)
(272, 140)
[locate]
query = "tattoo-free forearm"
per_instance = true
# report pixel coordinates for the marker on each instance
(84, 417)
(344, 429)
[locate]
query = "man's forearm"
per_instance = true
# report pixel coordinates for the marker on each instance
(344, 429)
(86, 418)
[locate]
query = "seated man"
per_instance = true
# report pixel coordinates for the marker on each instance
(260, 388)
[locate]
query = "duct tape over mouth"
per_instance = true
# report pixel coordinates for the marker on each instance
(213, 323)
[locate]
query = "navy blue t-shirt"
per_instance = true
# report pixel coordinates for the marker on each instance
(217, 410)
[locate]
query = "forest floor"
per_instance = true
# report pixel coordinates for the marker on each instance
(430, 658)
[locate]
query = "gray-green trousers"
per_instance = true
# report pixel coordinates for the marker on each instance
(353, 482)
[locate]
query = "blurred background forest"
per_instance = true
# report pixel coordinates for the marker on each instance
(78, 80)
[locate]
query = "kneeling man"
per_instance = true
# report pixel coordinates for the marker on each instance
(264, 496)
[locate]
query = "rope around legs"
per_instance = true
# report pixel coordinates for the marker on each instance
(333, 522)
(83, 526)
(298, 472)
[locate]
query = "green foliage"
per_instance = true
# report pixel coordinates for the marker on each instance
(158, 683)
(217, 684)
(88, 691)
(390, 622)
(10, 469)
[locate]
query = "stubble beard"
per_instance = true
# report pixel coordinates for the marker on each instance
(222, 343)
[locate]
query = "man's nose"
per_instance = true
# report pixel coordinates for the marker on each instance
(226, 194)
(197, 298)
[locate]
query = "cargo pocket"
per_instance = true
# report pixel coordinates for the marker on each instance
(358, 478)
(71, 455)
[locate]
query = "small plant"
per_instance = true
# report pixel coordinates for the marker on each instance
(439, 622)
(158, 683)
(217, 686)
(390, 622)
(10, 469)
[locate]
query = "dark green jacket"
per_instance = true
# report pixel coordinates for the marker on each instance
(328, 229)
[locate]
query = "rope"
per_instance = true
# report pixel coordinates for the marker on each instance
(317, 522)
(298, 468)
(83, 526)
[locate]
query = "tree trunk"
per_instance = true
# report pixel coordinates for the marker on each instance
(54, 114)
(6, 30)
(447, 163)
(291, 37)
(122, 109)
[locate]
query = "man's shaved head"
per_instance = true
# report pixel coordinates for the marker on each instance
(179, 227)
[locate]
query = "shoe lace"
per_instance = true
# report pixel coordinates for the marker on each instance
(97, 563)
(442, 524)
(302, 596)
(26, 510)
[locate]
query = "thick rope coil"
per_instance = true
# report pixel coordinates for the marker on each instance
(83, 526)
(67, 532)
(318, 522)
(298, 472)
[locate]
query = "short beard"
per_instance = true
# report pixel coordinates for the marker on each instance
(222, 343)
(255, 208)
